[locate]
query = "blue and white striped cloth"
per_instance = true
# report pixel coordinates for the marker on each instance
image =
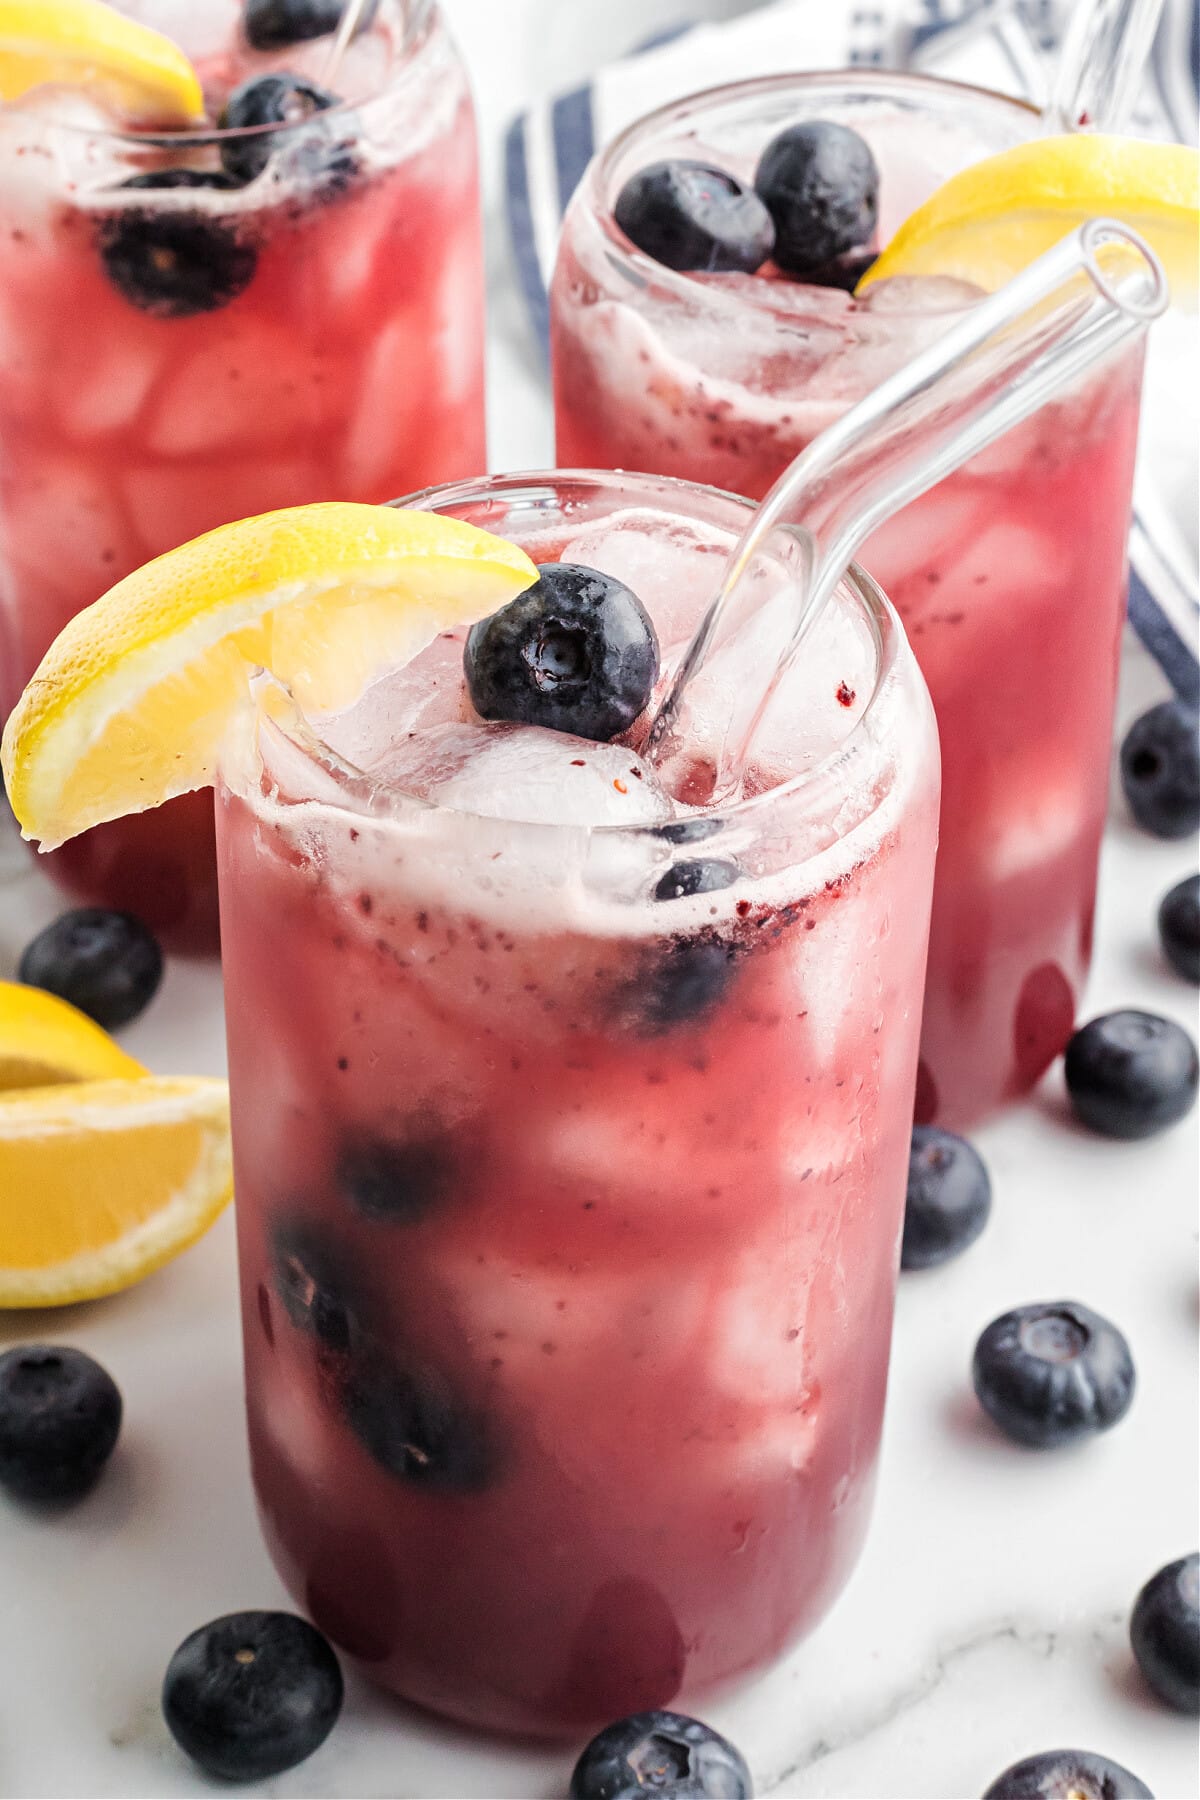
(1009, 45)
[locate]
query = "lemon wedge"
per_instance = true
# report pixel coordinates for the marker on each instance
(43, 1040)
(104, 1181)
(990, 220)
(132, 702)
(84, 43)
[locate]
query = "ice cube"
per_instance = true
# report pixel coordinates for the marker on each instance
(920, 294)
(672, 564)
(426, 692)
(200, 31)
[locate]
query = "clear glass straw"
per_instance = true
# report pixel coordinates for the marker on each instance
(1097, 288)
(1104, 51)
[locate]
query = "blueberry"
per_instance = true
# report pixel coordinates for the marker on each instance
(1160, 769)
(1052, 1373)
(252, 1694)
(273, 24)
(105, 963)
(415, 1427)
(1130, 1074)
(707, 875)
(175, 264)
(576, 652)
(820, 184)
(1179, 928)
(844, 272)
(687, 215)
(1067, 1775)
(395, 1183)
(949, 1198)
(60, 1414)
(684, 984)
(688, 831)
(660, 1753)
(1165, 1633)
(314, 1284)
(280, 100)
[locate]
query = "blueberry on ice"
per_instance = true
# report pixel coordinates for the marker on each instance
(1160, 769)
(1052, 1373)
(174, 263)
(1067, 1775)
(279, 100)
(575, 652)
(948, 1201)
(60, 1414)
(273, 24)
(252, 1694)
(1131, 1074)
(687, 215)
(415, 1426)
(820, 184)
(1164, 1631)
(688, 831)
(391, 1182)
(663, 1753)
(313, 1283)
(705, 875)
(1179, 928)
(108, 964)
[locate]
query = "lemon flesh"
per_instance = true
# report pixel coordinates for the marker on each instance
(86, 44)
(43, 1040)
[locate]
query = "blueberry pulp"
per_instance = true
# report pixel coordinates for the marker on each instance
(176, 264)
(688, 215)
(106, 963)
(1052, 1373)
(660, 1753)
(1164, 1631)
(314, 1283)
(575, 652)
(60, 1415)
(706, 875)
(1067, 1775)
(1130, 1074)
(282, 100)
(684, 984)
(273, 24)
(415, 1427)
(949, 1198)
(1160, 769)
(252, 1694)
(820, 184)
(395, 1183)
(1179, 928)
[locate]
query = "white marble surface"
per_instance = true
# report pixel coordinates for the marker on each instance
(987, 1617)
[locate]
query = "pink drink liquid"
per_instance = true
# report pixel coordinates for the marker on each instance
(1010, 576)
(350, 366)
(568, 1218)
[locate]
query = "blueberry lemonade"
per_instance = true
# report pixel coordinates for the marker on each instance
(571, 1116)
(720, 297)
(225, 285)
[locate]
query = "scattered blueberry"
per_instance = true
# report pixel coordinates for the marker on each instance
(415, 1427)
(687, 215)
(172, 263)
(1130, 1074)
(688, 831)
(60, 1414)
(707, 875)
(1052, 1373)
(395, 1183)
(684, 984)
(1179, 928)
(820, 184)
(576, 652)
(1165, 1633)
(1160, 769)
(105, 963)
(252, 1694)
(1067, 1775)
(949, 1198)
(313, 1283)
(273, 24)
(279, 100)
(660, 1753)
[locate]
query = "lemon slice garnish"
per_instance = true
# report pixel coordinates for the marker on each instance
(104, 1181)
(86, 44)
(43, 1040)
(991, 220)
(133, 701)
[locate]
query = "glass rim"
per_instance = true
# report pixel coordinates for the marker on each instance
(419, 14)
(594, 187)
(378, 800)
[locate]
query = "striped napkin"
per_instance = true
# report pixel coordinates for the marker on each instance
(1009, 45)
